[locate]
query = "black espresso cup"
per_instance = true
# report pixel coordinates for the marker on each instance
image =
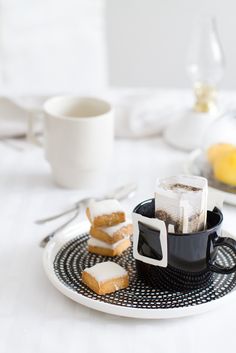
(172, 261)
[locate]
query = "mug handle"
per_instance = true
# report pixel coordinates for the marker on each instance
(31, 134)
(155, 224)
(231, 244)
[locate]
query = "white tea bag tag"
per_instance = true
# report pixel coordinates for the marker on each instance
(155, 224)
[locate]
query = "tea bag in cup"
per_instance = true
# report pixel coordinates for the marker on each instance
(181, 202)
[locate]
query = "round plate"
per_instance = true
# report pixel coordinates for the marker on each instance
(196, 166)
(66, 256)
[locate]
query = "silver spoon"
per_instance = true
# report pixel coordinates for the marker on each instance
(120, 193)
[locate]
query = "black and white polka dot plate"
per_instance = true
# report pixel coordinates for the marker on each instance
(66, 256)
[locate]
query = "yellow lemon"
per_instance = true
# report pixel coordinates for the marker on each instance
(218, 150)
(224, 168)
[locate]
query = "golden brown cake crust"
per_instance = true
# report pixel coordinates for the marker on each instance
(106, 220)
(106, 287)
(110, 252)
(122, 233)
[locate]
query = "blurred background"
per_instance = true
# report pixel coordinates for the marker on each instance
(148, 40)
(53, 46)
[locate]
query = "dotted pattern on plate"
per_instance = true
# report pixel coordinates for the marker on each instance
(73, 257)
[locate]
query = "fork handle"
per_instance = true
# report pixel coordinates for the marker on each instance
(48, 237)
(48, 219)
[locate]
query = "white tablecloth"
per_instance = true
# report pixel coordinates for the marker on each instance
(34, 316)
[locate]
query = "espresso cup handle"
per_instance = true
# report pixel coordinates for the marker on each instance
(31, 134)
(215, 267)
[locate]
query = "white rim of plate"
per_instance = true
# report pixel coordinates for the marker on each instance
(73, 231)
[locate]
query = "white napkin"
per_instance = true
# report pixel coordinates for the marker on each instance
(143, 114)
(139, 113)
(15, 114)
(13, 119)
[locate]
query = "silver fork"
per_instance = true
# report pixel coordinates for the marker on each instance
(48, 237)
(119, 193)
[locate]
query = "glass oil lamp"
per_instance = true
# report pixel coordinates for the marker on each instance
(205, 68)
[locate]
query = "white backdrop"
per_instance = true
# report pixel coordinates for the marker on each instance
(52, 46)
(148, 39)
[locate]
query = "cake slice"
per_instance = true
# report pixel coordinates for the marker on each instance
(112, 234)
(99, 247)
(106, 277)
(105, 213)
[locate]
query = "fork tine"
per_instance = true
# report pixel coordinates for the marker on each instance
(48, 237)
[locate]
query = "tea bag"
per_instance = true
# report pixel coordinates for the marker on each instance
(181, 202)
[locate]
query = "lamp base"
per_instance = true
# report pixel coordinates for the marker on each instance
(187, 131)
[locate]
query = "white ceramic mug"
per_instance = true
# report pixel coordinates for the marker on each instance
(79, 134)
